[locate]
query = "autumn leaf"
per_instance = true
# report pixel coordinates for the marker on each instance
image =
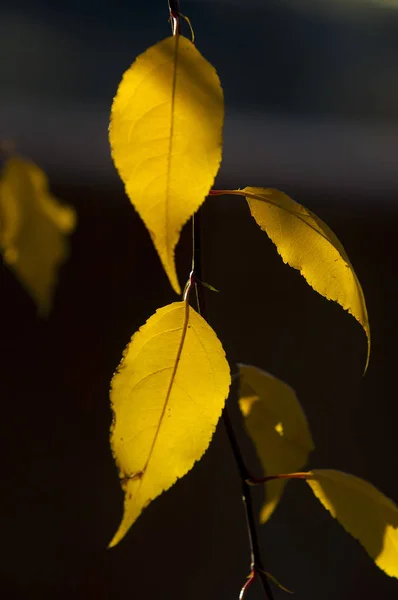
(165, 135)
(167, 397)
(278, 427)
(33, 229)
(363, 511)
(306, 243)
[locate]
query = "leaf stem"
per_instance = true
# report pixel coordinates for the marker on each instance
(248, 583)
(257, 567)
(174, 10)
(253, 481)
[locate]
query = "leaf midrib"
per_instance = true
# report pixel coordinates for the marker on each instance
(170, 148)
(169, 389)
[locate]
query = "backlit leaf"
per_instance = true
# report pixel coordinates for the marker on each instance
(363, 511)
(278, 427)
(167, 397)
(33, 229)
(165, 135)
(306, 243)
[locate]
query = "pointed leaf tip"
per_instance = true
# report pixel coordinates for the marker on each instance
(166, 135)
(167, 397)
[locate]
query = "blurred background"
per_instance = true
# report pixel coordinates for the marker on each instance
(311, 96)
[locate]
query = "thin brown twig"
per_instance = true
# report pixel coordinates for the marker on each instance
(253, 481)
(251, 579)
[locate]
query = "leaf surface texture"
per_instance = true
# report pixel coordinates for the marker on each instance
(306, 243)
(363, 511)
(167, 397)
(166, 136)
(278, 427)
(33, 229)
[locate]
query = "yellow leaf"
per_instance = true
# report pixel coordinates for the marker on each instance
(306, 243)
(167, 397)
(278, 427)
(165, 135)
(363, 511)
(33, 228)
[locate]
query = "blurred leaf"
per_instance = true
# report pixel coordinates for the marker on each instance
(167, 397)
(278, 427)
(33, 229)
(363, 511)
(165, 136)
(306, 243)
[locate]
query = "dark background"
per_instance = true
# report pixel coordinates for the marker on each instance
(311, 107)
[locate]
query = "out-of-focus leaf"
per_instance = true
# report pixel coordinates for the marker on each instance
(278, 427)
(33, 229)
(165, 136)
(167, 397)
(363, 511)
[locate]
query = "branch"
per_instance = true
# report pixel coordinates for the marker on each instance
(257, 568)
